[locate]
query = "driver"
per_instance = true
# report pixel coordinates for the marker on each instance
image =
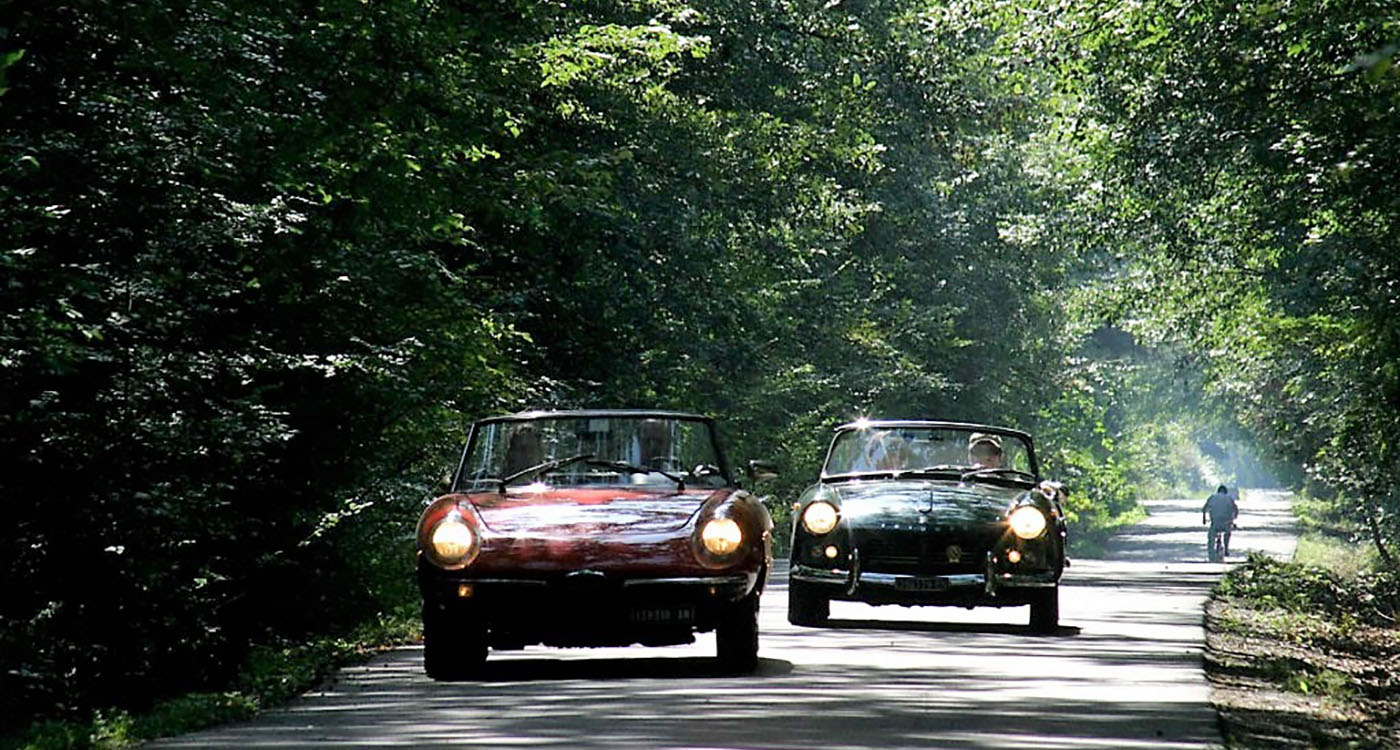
(984, 451)
(654, 443)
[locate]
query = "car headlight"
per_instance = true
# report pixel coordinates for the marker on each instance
(721, 536)
(1027, 522)
(452, 541)
(820, 517)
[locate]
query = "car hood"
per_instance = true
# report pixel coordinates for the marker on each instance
(592, 512)
(944, 502)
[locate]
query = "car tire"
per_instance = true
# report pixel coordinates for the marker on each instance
(806, 605)
(454, 644)
(1045, 610)
(736, 637)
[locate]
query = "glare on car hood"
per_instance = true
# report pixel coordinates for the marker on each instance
(604, 511)
(946, 501)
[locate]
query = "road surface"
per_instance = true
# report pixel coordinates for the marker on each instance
(1124, 671)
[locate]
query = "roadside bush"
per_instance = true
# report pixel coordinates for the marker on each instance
(1308, 588)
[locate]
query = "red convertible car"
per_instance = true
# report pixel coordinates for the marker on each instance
(592, 528)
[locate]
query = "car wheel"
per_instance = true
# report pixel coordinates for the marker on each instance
(806, 606)
(454, 644)
(736, 637)
(1045, 610)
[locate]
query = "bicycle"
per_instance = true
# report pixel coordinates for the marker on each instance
(1215, 546)
(1217, 543)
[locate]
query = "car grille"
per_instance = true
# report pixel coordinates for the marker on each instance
(922, 552)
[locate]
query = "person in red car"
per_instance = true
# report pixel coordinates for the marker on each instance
(523, 450)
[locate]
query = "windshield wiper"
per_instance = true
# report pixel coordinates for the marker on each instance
(897, 473)
(936, 469)
(996, 471)
(546, 466)
(634, 468)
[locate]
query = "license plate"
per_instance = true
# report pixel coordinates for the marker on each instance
(921, 584)
(663, 615)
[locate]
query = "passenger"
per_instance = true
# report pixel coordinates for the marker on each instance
(523, 449)
(886, 451)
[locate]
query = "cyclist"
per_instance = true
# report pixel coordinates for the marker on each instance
(1222, 511)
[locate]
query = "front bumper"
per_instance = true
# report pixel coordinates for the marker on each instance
(587, 609)
(989, 588)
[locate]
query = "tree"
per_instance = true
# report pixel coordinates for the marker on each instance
(1248, 152)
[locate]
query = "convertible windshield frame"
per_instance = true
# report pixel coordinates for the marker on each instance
(465, 480)
(938, 469)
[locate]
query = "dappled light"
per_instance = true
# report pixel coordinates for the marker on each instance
(1122, 671)
(264, 265)
(1262, 526)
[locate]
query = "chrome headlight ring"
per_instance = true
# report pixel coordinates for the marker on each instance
(820, 517)
(453, 542)
(1027, 522)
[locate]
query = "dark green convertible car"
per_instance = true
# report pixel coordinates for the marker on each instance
(916, 512)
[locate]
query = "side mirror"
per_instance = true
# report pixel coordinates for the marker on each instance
(443, 485)
(762, 471)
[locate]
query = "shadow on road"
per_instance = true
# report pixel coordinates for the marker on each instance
(1173, 532)
(915, 626)
(975, 694)
(642, 667)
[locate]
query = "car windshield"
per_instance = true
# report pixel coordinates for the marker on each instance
(636, 450)
(879, 448)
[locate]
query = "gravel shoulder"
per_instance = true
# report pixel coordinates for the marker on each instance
(1283, 678)
(1283, 681)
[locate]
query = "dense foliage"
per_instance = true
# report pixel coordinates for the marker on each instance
(1244, 174)
(263, 261)
(236, 311)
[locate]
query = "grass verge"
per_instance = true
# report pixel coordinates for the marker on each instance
(272, 675)
(1088, 538)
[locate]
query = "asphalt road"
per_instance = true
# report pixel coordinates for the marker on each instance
(1124, 671)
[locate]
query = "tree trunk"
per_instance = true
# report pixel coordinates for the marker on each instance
(1376, 536)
